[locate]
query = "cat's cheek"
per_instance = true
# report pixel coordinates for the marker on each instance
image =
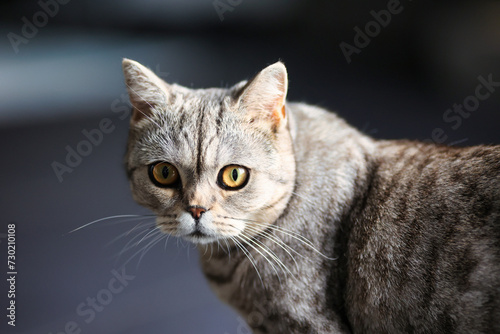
(143, 196)
(270, 199)
(168, 201)
(264, 191)
(167, 225)
(246, 202)
(155, 198)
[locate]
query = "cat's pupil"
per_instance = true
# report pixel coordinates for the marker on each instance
(235, 174)
(165, 172)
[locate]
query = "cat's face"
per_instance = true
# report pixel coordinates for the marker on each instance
(212, 164)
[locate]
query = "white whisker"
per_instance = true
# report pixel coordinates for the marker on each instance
(228, 248)
(109, 218)
(211, 251)
(277, 228)
(258, 251)
(285, 231)
(206, 250)
(298, 237)
(279, 242)
(249, 257)
(273, 255)
(131, 244)
(149, 246)
(143, 248)
(153, 230)
(140, 225)
(166, 241)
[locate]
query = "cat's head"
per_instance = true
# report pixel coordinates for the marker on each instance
(211, 163)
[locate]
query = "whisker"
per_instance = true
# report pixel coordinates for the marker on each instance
(249, 257)
(296, 236)
(131, 244)
(273, 255)
(166, 241)
(274, 227)
(109, 218)
(149, 246)
(228, 248)
(258, 251)
(153, 230)
(206, 250)
(285, 231)
(141, 224)
(143, 248)
(220, 246)
(279, 242)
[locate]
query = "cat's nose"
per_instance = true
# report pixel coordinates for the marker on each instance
(196, 211)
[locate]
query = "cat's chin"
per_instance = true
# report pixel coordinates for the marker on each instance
(199, 238)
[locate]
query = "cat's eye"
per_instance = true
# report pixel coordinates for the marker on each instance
(233, 177)
(164, 174)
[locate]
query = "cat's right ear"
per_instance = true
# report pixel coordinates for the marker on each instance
(147, 92)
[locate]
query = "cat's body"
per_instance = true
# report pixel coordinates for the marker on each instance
(331, 231)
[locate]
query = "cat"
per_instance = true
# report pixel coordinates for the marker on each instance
(317, 227)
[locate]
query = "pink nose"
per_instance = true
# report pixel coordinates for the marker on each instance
(196, 211)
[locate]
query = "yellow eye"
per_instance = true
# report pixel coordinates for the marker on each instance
(233, 177)
(164, 174)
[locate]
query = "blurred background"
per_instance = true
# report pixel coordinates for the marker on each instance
(391, 68)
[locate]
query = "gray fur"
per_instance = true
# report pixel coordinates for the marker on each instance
(335, 232)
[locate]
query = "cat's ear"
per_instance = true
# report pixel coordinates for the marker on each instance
(263, 98)
(145, 89)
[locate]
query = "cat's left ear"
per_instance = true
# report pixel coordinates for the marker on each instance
(263, 98)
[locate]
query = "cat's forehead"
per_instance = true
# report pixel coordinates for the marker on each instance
(191, 101)
(198, 123)
(199, 111)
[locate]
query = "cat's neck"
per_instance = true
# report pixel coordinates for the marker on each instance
(332, 161)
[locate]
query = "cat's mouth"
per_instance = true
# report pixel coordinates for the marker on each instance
(198, 231)
(199, 237)
(197, 234)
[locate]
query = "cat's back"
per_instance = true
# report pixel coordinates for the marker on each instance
(450, 166)
(440, 181)
(424, 251)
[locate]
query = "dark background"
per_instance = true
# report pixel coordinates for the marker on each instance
(66, 77)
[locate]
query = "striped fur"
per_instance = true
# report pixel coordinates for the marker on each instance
(335, 232)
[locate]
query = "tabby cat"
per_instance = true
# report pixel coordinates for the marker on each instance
(317, 227)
